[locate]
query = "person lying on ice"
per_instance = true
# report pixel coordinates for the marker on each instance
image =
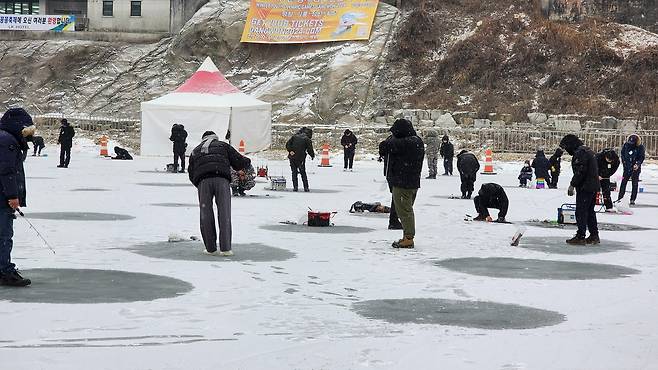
(525, 175)
(122, 154)
(491, 196)
(360, 207)
(242, 181)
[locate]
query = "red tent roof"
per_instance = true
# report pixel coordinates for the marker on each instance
(208, 80)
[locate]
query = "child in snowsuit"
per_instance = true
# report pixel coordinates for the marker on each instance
(608, 163)
(468, 166)
(491, 196)
(554, 163)
(525, 175)
(360, 207)
(541, 166)
(242, 180)
(431, 151)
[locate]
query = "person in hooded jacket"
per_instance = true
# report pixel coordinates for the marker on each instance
(525, 175)
(122, 154)
(404, 151)
(448, 153)
(178, 137)
(491, 195)
(15, 125)
(65, 140)
(608, 163)
(632, 156)
(210, 171)
(585, 183)
(393, 219)
(298, 146)
(348, 141)
(468, 166)
(432, 151)
(554, 163)
(541, 166)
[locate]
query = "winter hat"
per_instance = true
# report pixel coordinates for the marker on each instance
(570, 143)
(64, 122)
(15, 120)
(347, 132)
(206, 134)
(634, 139)
(445, 138)
(402, 128)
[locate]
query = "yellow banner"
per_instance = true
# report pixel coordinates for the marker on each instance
(304, 21)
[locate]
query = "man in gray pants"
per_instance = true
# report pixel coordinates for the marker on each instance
(210, 171)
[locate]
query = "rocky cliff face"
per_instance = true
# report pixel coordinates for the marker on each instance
(641, 13)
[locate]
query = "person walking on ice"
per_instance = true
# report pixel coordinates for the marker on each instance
(632, 156)
(210, 171)
(65, 140)
(405, 152)
(348, 141)
(298, 146)
(585, 184)
(432, 152)
(447, 152)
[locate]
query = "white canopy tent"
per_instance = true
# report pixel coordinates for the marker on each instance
(207, 101)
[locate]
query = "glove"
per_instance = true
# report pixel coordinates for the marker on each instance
(571, 191)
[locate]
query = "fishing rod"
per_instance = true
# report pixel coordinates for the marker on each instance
(35, 230)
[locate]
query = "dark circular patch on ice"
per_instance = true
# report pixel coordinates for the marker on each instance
(450, 197)
(516, 268)
(90, 189)
(93, 286)
(467, 314)
(165, 184)
(644, 206)
(558, 245)
(317, 230)
(370, 214)
(79, 216)
(186, 205)
(301, 191)
(604, 226)
(193, 251)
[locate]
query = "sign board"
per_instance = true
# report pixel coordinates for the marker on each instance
(25, 22)
(305, 21)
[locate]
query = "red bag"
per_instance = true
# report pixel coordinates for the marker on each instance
(319, 218)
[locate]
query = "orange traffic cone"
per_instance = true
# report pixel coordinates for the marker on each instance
(324, 162)
(103, 141)
(241, 148)
(488, 162)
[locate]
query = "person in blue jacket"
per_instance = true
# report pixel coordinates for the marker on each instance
(15, 125)
(632, 156)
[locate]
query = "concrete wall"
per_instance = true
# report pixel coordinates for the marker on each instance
(75, 7)
(182, 11)
(155, 17)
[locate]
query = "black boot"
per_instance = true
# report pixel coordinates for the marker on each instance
(577, 240)
(593, 239)
(469, 194)
(14, 279)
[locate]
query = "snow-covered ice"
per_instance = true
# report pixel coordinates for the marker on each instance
(297, 312)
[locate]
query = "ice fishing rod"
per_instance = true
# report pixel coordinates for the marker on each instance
(35, 230)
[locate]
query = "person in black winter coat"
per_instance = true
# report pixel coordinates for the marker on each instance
(38, 143)
(491, 196)
(541, 166)
(348, 141)
(393, 219)
(447, 152)
(554, 163)
(65, 140)
(525, 175)
(632, 156)
(210, 171)
(585, 183)
(178, 137)
(15, 125)
(360, 207)
(608, 163)
(404, 152)
(468, 166)
(122, 154)
(298, 146)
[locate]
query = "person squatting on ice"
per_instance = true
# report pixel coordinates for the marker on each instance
(468, 166)
(432, 151)
(38, 143)
(178, 137)
(405, 152)
(15, 125)
(242, 181)
(525, 175)
(298, 146)
(122, 154)
(554, 162)
(210, 171)
(541, 166)
(448, 153)
(585, 183)
(608, 163)
(348, 141)
(491, 196)
(65, 140)
(632, 156)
